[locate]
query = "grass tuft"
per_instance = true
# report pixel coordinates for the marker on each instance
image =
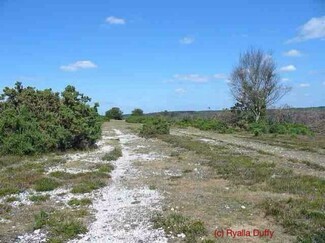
(113, 155)
(39, 198)
(88, 186)
(46, 184)
(177, 224)
(61, 225)
(105, 168)
(80, 202)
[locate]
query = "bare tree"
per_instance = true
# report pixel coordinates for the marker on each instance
(255, 83)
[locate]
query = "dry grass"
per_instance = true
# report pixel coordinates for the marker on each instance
(113, 155)
(267, 177)
(306, 143)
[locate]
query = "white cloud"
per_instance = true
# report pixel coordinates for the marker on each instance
(115, 20)
(196, 78)
(285, 80)
(289, 68)
(293, 53)
(187, 40)
(220, 76)
(304, 85)
(313, 29)
(180, 91)
(78, 65)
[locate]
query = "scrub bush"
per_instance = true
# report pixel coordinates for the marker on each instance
(114, 113)
(36, 121)
(154, 126)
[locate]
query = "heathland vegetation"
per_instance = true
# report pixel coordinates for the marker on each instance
(255, 86)
(36, 121)
(40, 122)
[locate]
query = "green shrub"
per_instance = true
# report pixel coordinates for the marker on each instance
(136, 119)
(279, 128)
(36, 121)
(154, 126)
(137, 112)
(205, 124)
(258, 128)
(114, 113)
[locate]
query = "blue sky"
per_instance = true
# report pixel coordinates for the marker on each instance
(166, 55)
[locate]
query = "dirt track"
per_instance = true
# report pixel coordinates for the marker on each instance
(155, 177)
(241, 142)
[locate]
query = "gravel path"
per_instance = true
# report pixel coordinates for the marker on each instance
(123, 210)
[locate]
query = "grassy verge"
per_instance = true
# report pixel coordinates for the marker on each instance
(62, 225)
(16, 177)
(302, 217)
(180, 226)
(18, 174)
(306, 143)
(83, 182)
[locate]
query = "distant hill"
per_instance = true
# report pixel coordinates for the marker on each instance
(211, 113)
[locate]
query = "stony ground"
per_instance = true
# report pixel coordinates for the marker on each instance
(156, 178)
(123, 208)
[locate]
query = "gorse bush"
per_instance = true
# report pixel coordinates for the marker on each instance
(205, 124)
(35, 121)
(279, 128)
(154, 126)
